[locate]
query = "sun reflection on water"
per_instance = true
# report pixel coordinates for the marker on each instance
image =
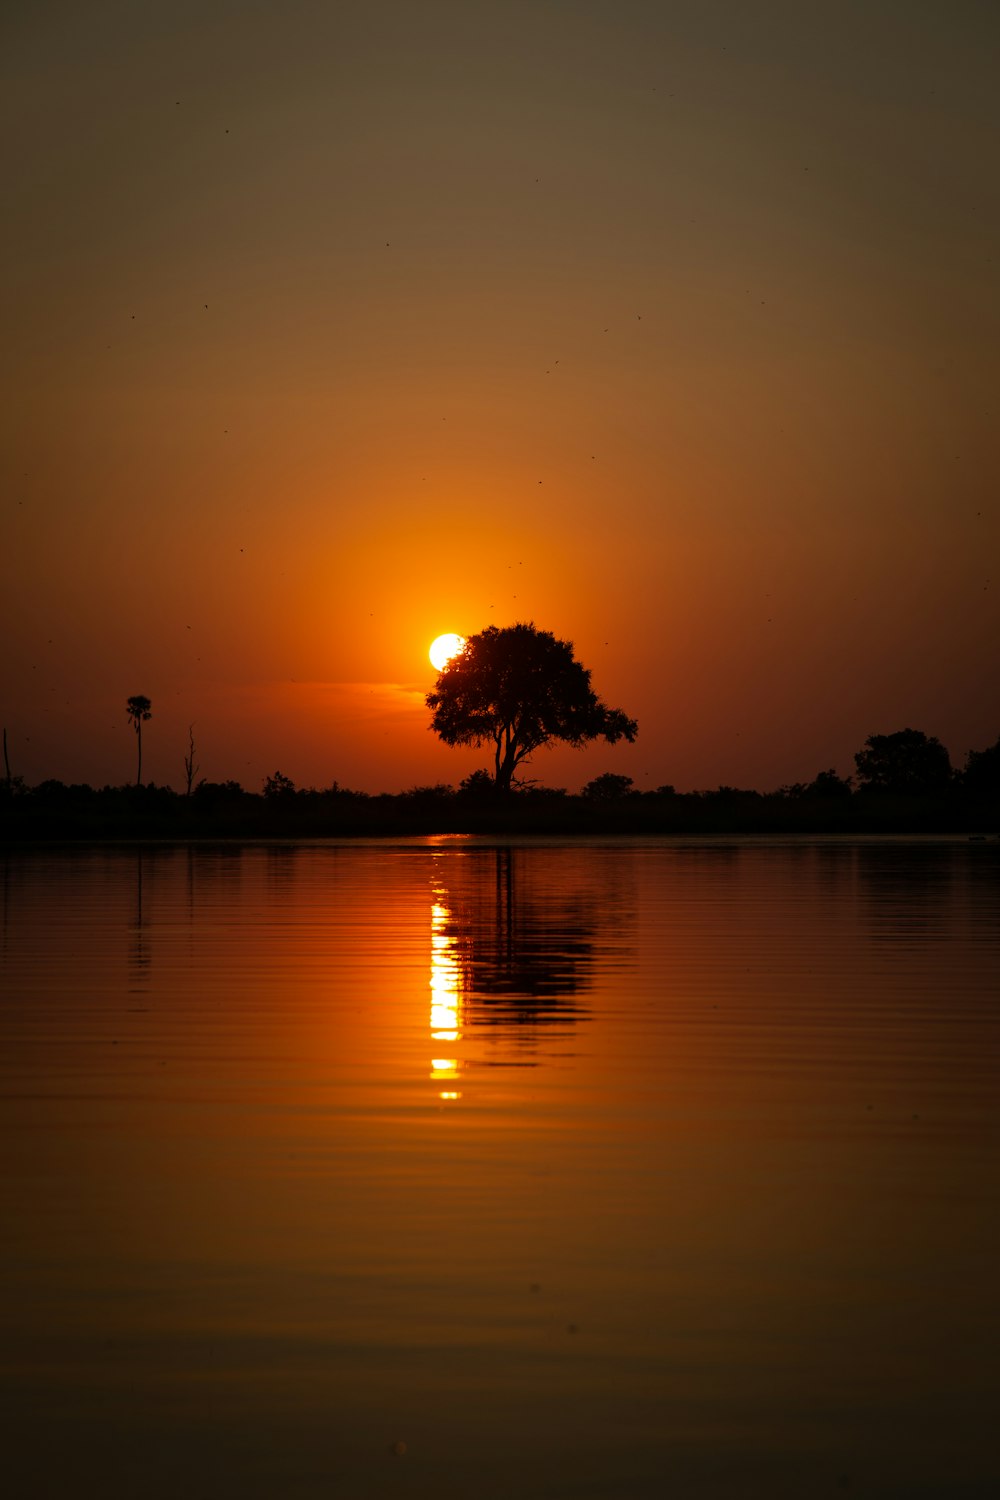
(446, 998)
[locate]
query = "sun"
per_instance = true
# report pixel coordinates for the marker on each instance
(444, 648)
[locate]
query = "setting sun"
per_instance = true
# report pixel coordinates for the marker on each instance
(444, 648)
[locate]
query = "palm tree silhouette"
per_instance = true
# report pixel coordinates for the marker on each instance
(139, 709)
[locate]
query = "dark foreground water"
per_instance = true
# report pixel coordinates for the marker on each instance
(452, 1169)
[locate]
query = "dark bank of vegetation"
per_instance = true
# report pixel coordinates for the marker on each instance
(904, 783)
(513, 690)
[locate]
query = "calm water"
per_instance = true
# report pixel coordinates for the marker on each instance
(444, 1168)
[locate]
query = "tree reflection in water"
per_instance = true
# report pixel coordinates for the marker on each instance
(509, 959)
(139, 958)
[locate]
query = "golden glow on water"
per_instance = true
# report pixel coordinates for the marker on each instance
(718, 1200)
(446, 996)
(446, 980)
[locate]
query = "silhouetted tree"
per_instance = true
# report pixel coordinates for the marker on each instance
(477, 784)
(518, 688)
(825, 784)
(982, 771)
(139, 709)
(607, 788)
(336, 790)
(908, 763)
(279, 786)
(190, 769)
(829, 784)
(11, 786)
(220, 791)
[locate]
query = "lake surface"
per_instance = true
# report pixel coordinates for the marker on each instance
(462, 1169)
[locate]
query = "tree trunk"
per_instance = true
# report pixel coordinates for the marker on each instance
(505, 769)
(138, 736)
(190, 769)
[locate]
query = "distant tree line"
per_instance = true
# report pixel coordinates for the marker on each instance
(515, 690)
(902, 782)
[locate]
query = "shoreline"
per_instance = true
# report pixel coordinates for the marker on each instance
(155, 814)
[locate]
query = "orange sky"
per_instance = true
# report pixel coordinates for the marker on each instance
(670, 327)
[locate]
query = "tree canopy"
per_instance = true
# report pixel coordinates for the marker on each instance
(907, 763)
(517, 688)
(607, 788)
(982, 770)
(139, 709)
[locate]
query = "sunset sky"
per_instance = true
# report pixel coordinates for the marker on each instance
(329, 327)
